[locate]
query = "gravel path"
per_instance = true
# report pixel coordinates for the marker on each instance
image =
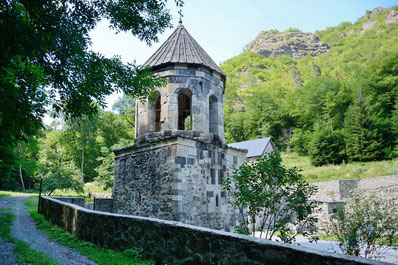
(6, 253)
(6, 249)
(24, 228)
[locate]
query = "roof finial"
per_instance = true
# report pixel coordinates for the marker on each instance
(181, 16)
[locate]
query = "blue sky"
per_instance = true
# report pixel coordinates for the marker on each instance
(224, 27)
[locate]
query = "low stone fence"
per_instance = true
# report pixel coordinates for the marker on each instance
(103, 204)
(177, 243)
(79, 201)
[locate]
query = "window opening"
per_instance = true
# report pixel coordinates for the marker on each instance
(213, 115)
(184, 110)
(157, 114)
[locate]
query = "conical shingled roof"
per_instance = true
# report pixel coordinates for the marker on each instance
(180, 47)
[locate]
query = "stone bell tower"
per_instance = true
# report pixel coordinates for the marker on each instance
(193, 97)
(175, 168)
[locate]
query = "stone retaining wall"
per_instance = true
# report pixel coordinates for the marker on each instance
(178, 243)
(103, 204)
(385, 186)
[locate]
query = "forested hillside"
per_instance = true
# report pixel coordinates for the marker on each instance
(332, 96)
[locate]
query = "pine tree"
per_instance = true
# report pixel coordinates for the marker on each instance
(326, 145)
(363, 141)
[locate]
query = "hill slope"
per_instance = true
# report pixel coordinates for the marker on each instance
(332, 95)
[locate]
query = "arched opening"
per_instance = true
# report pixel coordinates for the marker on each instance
(217, 200)
(213, 115)
(154, 113)
(157, 113)
(184, 110)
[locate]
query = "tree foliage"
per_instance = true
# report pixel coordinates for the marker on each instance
(272, 198)
(363, 140)
(57, 167)
(106, 169)
(326, 145)
(46, 61)
(366, 225)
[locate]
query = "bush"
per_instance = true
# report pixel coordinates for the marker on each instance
(271, 198)
(366, 225)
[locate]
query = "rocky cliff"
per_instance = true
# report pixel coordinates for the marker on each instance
(299, 44)
(293, 44)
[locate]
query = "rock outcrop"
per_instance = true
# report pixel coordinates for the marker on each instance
(369, 24)
(392, 17)
(293, 44)
(375, 12)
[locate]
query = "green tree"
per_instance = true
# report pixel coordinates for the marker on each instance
(80, 138)
(112, 128)
(272, 198)
(394, 120)
(106, 168)
(300, 141)
(125, 107)
(327, 145)
(363, 142)
(366, 225)
(25, 165)
(57, 167)
(46, 60)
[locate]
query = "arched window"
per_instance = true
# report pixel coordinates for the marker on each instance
(154, 113)
(217, 200)
(184, 110)
(213, 115)
(157, 113)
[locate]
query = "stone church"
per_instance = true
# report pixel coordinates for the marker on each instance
(175, 167)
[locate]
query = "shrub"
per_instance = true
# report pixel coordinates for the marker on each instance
(366, 225)
(272, 199)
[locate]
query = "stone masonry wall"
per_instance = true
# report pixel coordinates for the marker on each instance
(80, 201)
(333, 194)
(177, 176)
(202, 84)
(385, 186)
(103, 204)
(177, 243)
(145, 181)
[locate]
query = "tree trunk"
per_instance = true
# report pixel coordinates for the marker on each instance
(82, 165)
(20, 175)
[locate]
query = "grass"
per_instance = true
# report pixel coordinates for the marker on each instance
(90, 250)
(96, 188)
(12, 193)
(87, 186)
(355, 170)
(23, 253)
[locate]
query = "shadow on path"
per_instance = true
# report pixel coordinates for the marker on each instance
(24, 229)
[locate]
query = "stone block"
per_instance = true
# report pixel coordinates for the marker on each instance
(180, 160)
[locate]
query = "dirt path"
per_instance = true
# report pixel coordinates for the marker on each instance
(24, 229)
(6, 254)
(6, 249)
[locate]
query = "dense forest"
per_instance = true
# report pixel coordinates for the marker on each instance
(341, 105)
(67, 154)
